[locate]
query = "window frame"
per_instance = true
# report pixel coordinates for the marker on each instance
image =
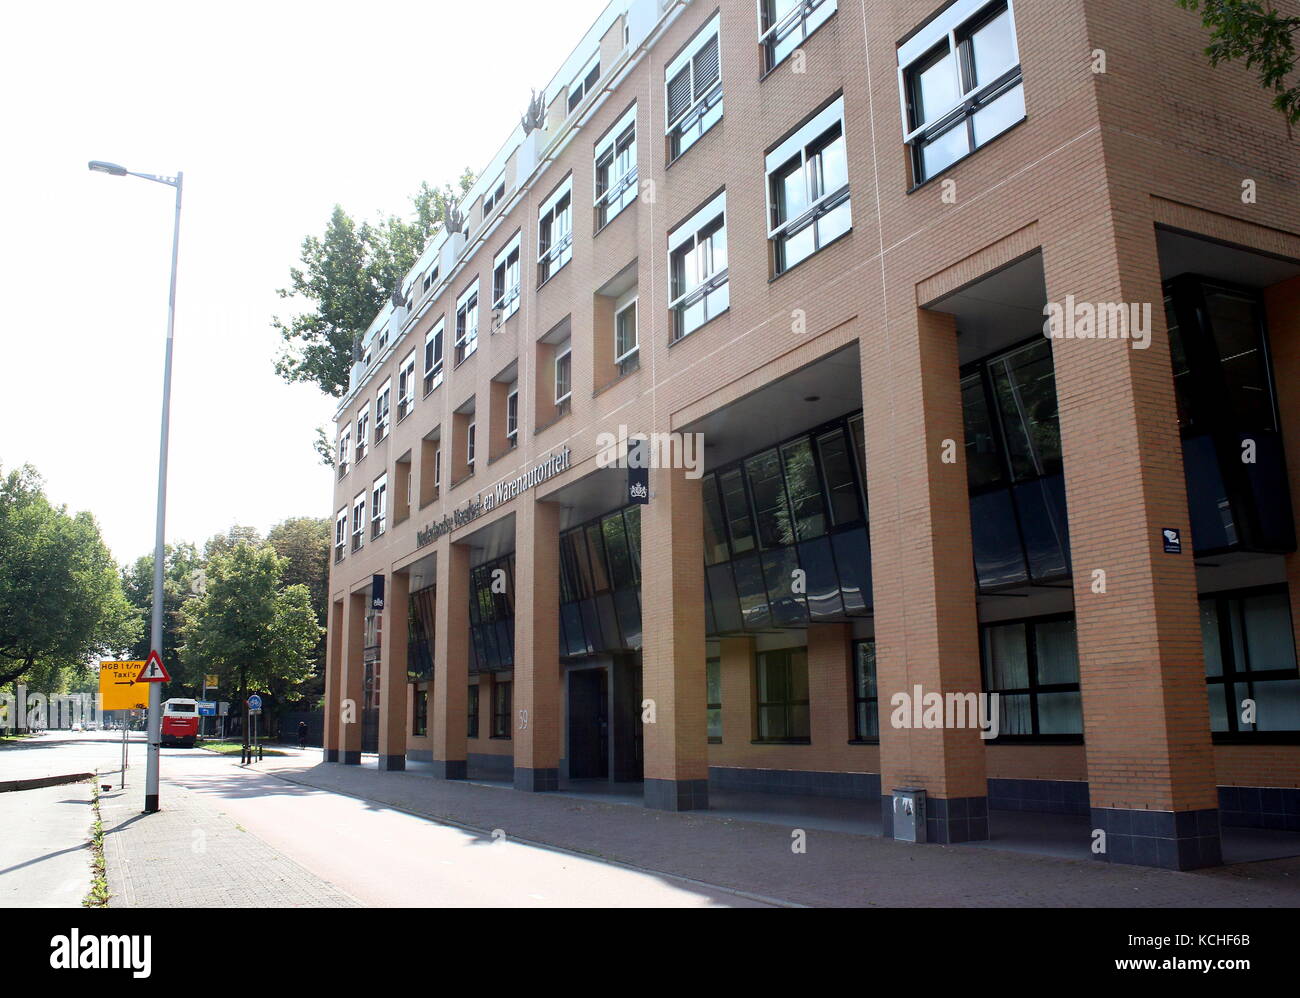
(1233, 674)
(582, 84)
(501, 726)
(379, 506)
(512, 415)
(610, 201)
(871, 702)
(467, 336)
(506, 300)
(769, 27)
(554, 253)
(383, 409)
(494, 195)
(677, 128)
(343, 453)
(564, 351)
(434, 350)
(624, 360)
(360, 509)
(1034, 689)
(471, 442)
(688, 231)
(406, 386)
(340, 534)
(472, 711)
(363, 431)
(787, 704)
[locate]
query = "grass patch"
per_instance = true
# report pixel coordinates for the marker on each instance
(233, 748)
(12, 739)
(98, 895)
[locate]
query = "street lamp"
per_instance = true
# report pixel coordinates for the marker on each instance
(159, 548)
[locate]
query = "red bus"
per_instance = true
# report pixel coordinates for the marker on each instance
(180, 722)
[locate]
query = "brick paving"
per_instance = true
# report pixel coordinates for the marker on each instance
(838, 869)
(191, 855)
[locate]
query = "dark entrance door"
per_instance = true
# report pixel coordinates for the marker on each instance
(589, 724)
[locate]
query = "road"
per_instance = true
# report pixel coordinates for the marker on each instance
(378, 855)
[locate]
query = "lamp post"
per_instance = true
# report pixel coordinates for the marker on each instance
(159, 548)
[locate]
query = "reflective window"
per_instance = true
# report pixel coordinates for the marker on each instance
(1033, 667)
(1250, 661)
(782, 694)
(866, 722)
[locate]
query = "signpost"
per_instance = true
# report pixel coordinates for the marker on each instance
(251, 748)
(118, 690)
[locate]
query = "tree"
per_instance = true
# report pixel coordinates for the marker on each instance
(227, 542)
(182, 572)
(346, 275)
(304, 545)
(247, 629)
(61, 599)
(1257, 33)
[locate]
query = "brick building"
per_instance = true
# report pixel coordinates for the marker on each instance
(824, 236)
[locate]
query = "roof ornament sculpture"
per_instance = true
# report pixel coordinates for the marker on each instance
(535, 116)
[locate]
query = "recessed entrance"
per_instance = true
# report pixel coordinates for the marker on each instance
(589, 724)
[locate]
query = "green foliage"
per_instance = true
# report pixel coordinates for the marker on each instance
(346, 275)
(182, 572)
(61, 598)
(1257, 33)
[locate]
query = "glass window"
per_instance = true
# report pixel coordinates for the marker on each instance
(739, 525)
(406, 386)
(471, 729)
(715, 527)
(625, 339)
(771, 510)
(842, 489)
(804, 488)
(467, 323)
(616, 175)
(1024, 383)
(1250, 661)
(1033, 667)
(866, 721)
(433, 358)
(808, 189)
(784, 24)
(782, 687)
(420, 723)
(555, 232)
(713, 685)
(697, 265)
(693, 90)
(505, 280)
(501, 708)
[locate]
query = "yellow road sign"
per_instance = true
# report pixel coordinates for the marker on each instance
(118, 689)
(211, 680)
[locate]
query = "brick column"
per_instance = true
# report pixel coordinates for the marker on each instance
(830, 705)
(538, 704)
(673, 655)
(1151, 776)
(1282, 314)
(924, 579)
(353, 677)
(736, 656)
(449, 689)
(333, 680)
(393, 689)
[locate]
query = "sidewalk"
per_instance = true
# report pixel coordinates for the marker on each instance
(837, 869)
(191, 855)
(44, 850)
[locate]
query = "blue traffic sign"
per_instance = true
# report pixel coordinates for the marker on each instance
(255, 702)
(207, 708)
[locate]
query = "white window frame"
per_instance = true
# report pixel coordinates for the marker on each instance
(706, 285)
(818, 204)
(379, 506)
(406, 387)
(471, 441)
(621, 359)
(340, 535)
(360, 506)
(551, 258)
(621, 189)
(512, 413)
(579, 87)
(383, 410)
(508, 301)
(802, 19)
(437, 467)
(494, 195)
(945, 29)
(363, 430)
(467, 332)
(343, 461)
(689, 126)
(563, 351)
(435, 344)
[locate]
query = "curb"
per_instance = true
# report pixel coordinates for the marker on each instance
(43, 781)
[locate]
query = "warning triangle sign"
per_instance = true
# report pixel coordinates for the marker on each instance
(154, 671)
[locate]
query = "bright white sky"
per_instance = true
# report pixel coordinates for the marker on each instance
(275, 111)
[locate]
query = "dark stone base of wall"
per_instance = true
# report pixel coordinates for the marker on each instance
(1260, 807)
(947, 820)
(351, 757)
(1171, 840)
(331, 755)
(449, 769)
(812, 783)
(1045, 796)
(536, 780)
(419, 755)
(677, 795)
(392, 763)
(491, 767)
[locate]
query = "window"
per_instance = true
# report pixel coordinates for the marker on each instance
(1250, 655)
(344, 451)
(471, 721)
(340, 534)
(1033, 666)
(693, 90)
(697, 265)
(783, 696)
(437, 468)
(467, 323)
(431, 278)
(406, 387)
(382, 410)
(808, 189)
(713, 685)
(961, 84)
(505, 280)
(512, 415)
(379, 506)
(433, 357)
(358, 521)
(495, 195)
(363, 428)
(469, 445)
(563, 375)
(584, 83)
(420, 723)
(501, 709)
(626, 347)
(784, 24)
(866, 720)
(555, 232)
(616, 176)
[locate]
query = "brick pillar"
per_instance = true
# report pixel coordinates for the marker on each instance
(1151, 776)
(829, 674)
(1282, 314)
(737, 665)
(673, 655)
(449, 693)
(353, 677)
(393, 689)
(538, 704)
(923, 576)
(333, 680)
